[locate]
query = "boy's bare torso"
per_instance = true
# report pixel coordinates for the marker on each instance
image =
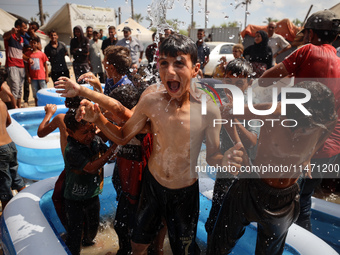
(4, 137)
(280, 146)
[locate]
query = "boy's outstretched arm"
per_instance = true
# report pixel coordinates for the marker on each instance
(272, 75)
(91, 113)
(93, 166)
(68, 88)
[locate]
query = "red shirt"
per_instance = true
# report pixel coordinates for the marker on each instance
(319, 63)
(37, 70)
(13, 48)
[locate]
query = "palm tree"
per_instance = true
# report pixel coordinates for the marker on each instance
(297, 22)
(269, 19)
(138, 17)
(246, 2)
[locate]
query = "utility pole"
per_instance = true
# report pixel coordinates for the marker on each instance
(206, 14)
(41, 13)
(119, 16)
(132, 15)
(192, 14)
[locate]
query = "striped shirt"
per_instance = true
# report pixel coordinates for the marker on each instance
(14, 53)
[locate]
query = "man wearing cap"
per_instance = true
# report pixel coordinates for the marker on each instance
(276, 42)
(133, 44)
(317, 60)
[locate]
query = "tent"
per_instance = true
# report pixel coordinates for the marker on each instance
(336, 9)
(71, 15)
(137, 30)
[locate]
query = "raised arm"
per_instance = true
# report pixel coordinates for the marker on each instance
(93, 166)
(272, 75)
(68, 88)
(91, 112)
(46, 127)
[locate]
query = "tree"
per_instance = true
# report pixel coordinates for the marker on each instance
(34, 19)
(247, 3)
(138, 17)
(269, 19)
(297, 22)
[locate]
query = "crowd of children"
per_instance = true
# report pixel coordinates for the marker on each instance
(160, 131)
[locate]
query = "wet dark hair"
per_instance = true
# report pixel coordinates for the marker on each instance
(128, 95)
(35, 39)
(51, 32)
(240, 66)
(118, 56)
(71, 122)
(177, 44)
(326, 35)
(73, 102)
(321, 105)
(19, 22)
(35, 24)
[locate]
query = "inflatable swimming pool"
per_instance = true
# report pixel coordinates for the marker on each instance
(30, 224)
(50, 96)
(38, 158)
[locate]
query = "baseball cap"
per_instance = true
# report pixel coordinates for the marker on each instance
(323, 20)
(126, 29)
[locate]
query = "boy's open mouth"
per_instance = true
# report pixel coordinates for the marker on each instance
(173, 86)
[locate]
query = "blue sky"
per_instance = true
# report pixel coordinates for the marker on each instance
(220, 11)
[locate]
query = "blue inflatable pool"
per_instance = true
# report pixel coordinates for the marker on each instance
(38, 158)
(30, 224)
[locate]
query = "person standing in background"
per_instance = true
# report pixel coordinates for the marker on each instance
(276, 42)
(56, 52)
(112, 40)
(96, 56)
(133, 45)
(80, 52)
(203, 50)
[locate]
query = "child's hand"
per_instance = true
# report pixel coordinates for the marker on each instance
(47, 80)
(88, 111)
(50, 109)
(233, 157)
(29, 80)
(226, 110)
(88, 77)
(67, 88)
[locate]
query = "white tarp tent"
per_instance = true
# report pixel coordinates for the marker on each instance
(71, 15)
(141, 33)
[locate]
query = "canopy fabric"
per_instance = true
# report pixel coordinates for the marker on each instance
(71, 15)
(284, 27)
(137, 30)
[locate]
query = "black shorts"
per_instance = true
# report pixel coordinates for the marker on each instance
(179, 208)
(252, 200)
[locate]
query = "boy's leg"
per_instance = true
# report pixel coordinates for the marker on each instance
(35, 88)
(8, 170)
(277, 217)
(307, 190)
(148, 215)
(92, 218)
(17, 181)
(121, 225)
(230, 226)
(75, 218)
(220, 190)
(181, 215)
